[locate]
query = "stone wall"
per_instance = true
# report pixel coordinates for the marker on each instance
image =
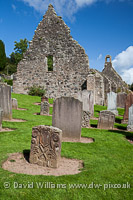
(70, 63)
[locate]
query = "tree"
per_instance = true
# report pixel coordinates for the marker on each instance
(131, 87)
(20, 48)
(2, 56)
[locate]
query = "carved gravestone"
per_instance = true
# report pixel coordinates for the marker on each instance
(129, 102)
(106, 120)
(130, 119)
(86, 119)
(87, 98)
(6, 101)
(46, 146)
(44, 98)
(1, 115)
(112, 102)
(44, 108)
(121, 99)
(67, 115)
(14, 103)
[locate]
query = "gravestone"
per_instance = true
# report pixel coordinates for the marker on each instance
(129, 102)
(67, 115)
(130, 119)
(87, 98)
(106, 120)
(121, 99)
(1, 115)
(14, 103)
(44, 108)
(6, 101)
(86, 119)
(44, 98)
(112, 102)
(46, 146)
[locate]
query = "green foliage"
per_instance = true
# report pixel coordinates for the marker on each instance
(118, 90)
(50, 63)
(20, 48)
(131, 87)
(9, 82)
(36, 91)
(2, 56)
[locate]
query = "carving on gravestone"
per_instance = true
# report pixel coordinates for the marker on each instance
(45, 146)
(44, 108)
(106, 120)
(1, 115)
(5, 101)
(129, 102)
(121, 99)
(67, 115)
(86, 119)
(112, 102)
(14, 103)
(130, 119)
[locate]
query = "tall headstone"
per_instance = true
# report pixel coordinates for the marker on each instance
(121, 99)
(1, 115)
(129, 102)
(44, 108)
(6, 101)
(46, 146)
(112, 102)
(14, 103)
(130, 119)
(67, 116)
(106, 120)
(87, 98)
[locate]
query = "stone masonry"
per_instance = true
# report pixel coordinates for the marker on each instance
(70, 63)
(46, 146)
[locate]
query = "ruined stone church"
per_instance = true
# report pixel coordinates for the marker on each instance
(55, 61)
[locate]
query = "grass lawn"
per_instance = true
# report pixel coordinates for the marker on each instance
(107, 162)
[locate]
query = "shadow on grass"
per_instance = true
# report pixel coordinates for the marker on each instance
(128, 135)
(93, 125)
(26, 153)
(121, 127)
(118, 120)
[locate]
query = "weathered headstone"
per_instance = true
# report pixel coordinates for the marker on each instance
(46, 146)
(121, 99)
(44, 108)
(106, 120)
(87, 98)
(67, 115)
(112, 102)
(44, 98)
(129, 102)
(86, 119)
(5, 101)
(130, 119)
(1, 115)
(14, 103)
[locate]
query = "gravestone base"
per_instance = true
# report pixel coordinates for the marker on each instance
(130, 128)
(46, 146)
(86, 119)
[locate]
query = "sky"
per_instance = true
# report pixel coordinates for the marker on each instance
(101, 27)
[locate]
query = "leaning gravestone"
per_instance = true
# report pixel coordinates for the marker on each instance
(130, 119)
(106, 120)
(112, 102)
(1, 114)
(121, 99)
(44, 108)
(14, 103)
(5, 101)
(67, 115)
(129, 102)
(46, 146)
(87, 98)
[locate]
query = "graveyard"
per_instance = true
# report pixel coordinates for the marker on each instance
(107, 161)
